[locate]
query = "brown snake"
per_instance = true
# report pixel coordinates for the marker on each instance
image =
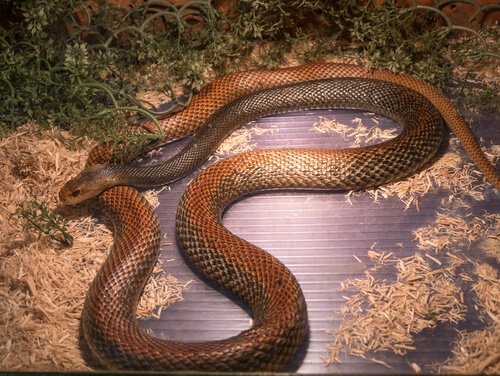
(261, 281)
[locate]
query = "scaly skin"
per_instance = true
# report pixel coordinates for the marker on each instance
(266, 285)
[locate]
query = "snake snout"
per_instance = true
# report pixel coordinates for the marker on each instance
(82, 187)
(72, 193)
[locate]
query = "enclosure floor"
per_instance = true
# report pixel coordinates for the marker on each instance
(317, 236)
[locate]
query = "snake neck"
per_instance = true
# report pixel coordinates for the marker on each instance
(149, 176)
(321, 94)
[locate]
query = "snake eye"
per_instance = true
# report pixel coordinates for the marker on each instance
(75, 193)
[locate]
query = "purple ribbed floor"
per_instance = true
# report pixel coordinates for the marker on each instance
(316, 236)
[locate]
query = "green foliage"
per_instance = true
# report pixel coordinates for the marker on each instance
(478, 97)
(474, 47)
(38, 218)
(36, 91)
(79, 79)
(37, 16)
(469, 53)
(395, 38)
(281, 19)
(43, 72)
(77, 66)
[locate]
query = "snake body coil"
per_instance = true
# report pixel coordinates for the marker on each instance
(261, 281)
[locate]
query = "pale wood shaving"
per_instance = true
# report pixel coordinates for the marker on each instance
(478, 352)
(487, 289)
(42, 284)
(448, 172)
(380, 258)
(416, 368)
(151, 197)
(449, 229)
(384, 316)
(240, 141)
(357, 133)
(160, 292)
(491, 245)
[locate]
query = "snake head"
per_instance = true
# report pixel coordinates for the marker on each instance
(87, 184)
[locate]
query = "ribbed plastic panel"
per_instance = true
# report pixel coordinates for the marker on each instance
(317, 236)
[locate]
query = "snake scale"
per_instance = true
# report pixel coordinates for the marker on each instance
(261, 281)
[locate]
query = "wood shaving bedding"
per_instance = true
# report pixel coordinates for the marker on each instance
(448, 172)
(478, 351)
(43, 284)
(30, 286)
(383, 316)
(357, 133)
(449, 229)
(375, 317)
(240, 141)
(425, 294)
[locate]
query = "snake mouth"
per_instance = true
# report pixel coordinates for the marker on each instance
(73, 192)
(87, 184)
(66, 195)
(228, 260)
